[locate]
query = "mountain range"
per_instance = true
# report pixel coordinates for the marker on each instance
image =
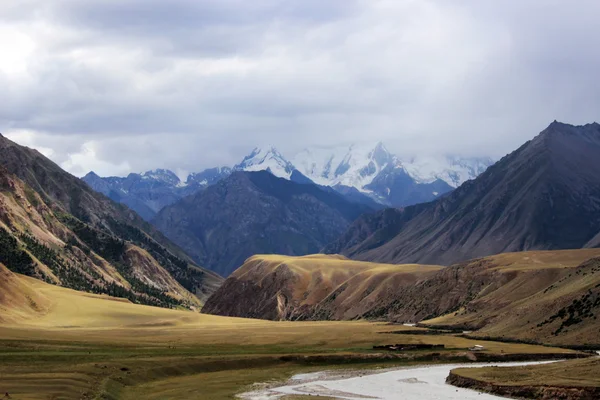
(366, 174)
(545, 195)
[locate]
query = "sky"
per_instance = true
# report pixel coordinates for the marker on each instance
(119, 86)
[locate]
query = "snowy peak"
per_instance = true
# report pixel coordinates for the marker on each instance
(207, 177)
(354, 166)
(163, 176)
(266, 160)
(453, 170)
(381, 155)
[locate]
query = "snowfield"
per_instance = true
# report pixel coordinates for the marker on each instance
(415, 383)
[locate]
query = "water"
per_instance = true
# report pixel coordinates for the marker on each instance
(414, 383)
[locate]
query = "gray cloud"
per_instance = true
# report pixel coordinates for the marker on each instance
(130, 85)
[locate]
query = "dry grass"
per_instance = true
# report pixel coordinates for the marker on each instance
(534, 260)
(328, 265)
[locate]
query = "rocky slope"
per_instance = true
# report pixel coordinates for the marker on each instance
(311, 287)
(54, 227)
(254, 213)
(542, 196)
(545, 296)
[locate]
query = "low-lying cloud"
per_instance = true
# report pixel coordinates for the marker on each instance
(129, 85)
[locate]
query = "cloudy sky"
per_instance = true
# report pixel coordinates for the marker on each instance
(129, 85)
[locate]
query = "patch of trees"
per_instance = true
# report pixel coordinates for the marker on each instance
(115, 290)
(74, 278)
(189, 278)
(579, 310)
(13, 256)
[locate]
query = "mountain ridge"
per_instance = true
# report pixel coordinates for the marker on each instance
(255, 212)
(371, 171)
(551, 182)
(55, 227)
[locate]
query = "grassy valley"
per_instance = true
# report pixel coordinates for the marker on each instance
(60, 343)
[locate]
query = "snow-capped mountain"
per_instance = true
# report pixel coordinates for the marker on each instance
(207, 177)
(161, 176)
(270, 160)
(453, 170)
(355, 166)
(149, 192)
(362, 172)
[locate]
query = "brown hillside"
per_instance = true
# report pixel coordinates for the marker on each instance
(36, 242)
(543, 296)
(55, 215)
(549, 303)
(310, 287)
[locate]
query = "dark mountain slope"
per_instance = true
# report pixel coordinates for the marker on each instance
(255, 212)
(545, 195)
(76, 215)
(396, 188)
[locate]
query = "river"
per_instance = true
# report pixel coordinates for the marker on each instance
(426, 382)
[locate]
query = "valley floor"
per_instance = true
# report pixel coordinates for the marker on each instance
(82, 346)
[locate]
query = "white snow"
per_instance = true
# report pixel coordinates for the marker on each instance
(266, 160)
(453, 170)
(414, 383)
(358, 165)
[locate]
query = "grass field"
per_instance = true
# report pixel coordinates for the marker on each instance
(77, 346)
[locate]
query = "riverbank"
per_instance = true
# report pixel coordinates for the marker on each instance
(569, 380)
